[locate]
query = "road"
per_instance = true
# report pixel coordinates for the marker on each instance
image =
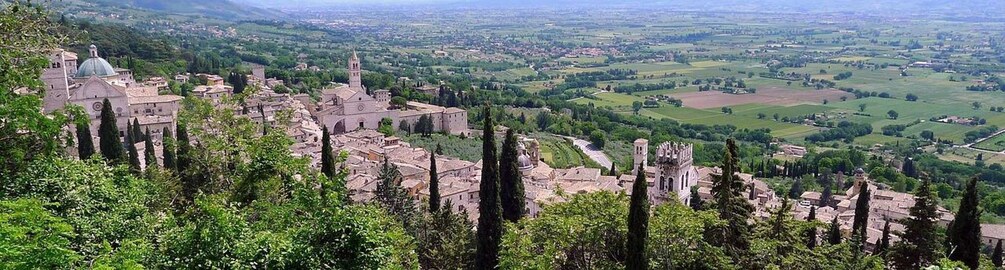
(971, 145)
(591, 151)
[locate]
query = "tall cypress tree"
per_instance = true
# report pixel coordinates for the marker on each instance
(834, 233)
(511, 182)
(85, 144)
(108, 131)
(149, 156)
(733, 208)
(489, 208)
(965, 231)
(638, 223)
(996, 257)
(613, 171)
(861, 219)
(182, 148)
(919, 246)
(825, 196)
(137, 133)
(134, 155)
(167, 144)
(327, 158)
(811, 233)
(909, 169)
(434, 183)
(884, 242)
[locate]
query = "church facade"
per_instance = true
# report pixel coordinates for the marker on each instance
(346, 108)
(95, 80)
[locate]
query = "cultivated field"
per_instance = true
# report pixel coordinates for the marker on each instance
(770, 95)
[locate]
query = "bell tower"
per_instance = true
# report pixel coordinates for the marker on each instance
(640, 154)
(355, 82)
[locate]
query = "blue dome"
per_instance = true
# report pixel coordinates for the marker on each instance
(95, 66)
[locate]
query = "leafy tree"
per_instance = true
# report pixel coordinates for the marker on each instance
(386, 126)
(733, 208)
(919, 242)
(892, 114)
(511, 191)
(33, 237)
(861, 107)
(964, 233)
(598, 138)
(489, 206)
(695, 201)
(406, 127)
(638, 223)
(85, 144)
(108, 131)
(636, 107)
(796, 190)
(834, 232)
(434, 183)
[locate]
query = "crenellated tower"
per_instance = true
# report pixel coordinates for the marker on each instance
(674, 172)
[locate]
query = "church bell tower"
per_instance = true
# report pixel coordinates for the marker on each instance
(355, 82)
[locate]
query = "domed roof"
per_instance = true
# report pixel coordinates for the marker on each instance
(95, 66)
(524, 162)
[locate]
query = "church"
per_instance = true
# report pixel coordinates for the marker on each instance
(346, 108)
(95, 80)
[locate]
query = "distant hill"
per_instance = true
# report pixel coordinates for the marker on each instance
(224, 9)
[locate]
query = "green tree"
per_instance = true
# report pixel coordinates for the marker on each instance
(489, 207)
(386, 126)
(511, 191)
(964, 232)
(136, 132)
(327, 155)
(134, 155)
(920, 241)
(638, 223)
(148, 152)
(434, 183)
(695, 201)
(892, 114)
(996, 255)
(860, 222)
(811, 232)
(908, 168)
(445, 239)
(85, 144)
(598, 138)
(33, 238)
(108, 131)
(636, 107)
(733, 208)
(884, 242)
(861, 107)
(167, 145)
(393, 198)
(834, 232)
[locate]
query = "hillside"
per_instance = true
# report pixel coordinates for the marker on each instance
(224, 9)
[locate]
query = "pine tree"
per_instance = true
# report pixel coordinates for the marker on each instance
(861, 219)
(393, 198)
(511, 191)
(149, 156)
(85, 144)
(137, 133)
(834, 233)
(168, 150)
(996, 257)
(489, 208)
(965, 232)
(733, 208)
(638, 223)
(811, 233)
(434, 183)
(134, 155)
(919, 245)
(884, 242)
(108, 133)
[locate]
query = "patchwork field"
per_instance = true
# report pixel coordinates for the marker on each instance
(770, 95)
(996, 143)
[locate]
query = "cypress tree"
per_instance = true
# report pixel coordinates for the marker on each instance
(909, 169)
(965, 231)
(327, 158)
(638, 223)
(137, 133)
(148, 151)
(811, 233)
(825, 196)
(919, 245)
(884, 243)
(134, 155)
(695, 201)
(996, 257)
(834, 233)
(490, 218)
(733, 208)
(796, 189)
(85, 144)
(613, 171)
(108, 131)
(434, 183)
(861, 219)
(182, 147)
(511, 182)
(167, 144)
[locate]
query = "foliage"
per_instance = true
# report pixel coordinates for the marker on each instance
(638, 223)
(511, 190)
(490, 220)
